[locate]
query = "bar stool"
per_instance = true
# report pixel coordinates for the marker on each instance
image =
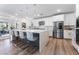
(36, 37)
(21, 36)
(0, 33)
(33, 39)
(13, 35)
(24, 37)
(15, 32)
(18, 35)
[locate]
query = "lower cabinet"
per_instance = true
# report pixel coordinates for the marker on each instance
(68, 34)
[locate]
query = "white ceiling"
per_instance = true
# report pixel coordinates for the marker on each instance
(34, 10)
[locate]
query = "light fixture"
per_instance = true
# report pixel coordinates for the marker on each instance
(58, 10)
(38, 14)
(34, 4)
(16, 14)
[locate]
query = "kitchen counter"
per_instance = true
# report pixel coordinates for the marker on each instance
(30, 30)
(43, 36)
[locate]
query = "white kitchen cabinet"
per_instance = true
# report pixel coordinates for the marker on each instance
(69, 19)
(58, 18)
(50, 30)
(68, 34)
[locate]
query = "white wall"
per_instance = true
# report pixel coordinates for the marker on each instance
(8, 20)
(69, 19)
(25, 20)
(49, 22)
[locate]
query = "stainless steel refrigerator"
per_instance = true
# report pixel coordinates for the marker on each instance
(58, 29)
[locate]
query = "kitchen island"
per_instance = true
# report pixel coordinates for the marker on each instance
(43, 36)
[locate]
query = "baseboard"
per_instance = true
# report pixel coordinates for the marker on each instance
(67, 38)
(60, 38)
(51, 36)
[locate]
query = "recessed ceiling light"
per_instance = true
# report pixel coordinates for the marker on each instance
(21, 10)
(36, 14)
(41, 14)
(58, 10)
(15, 14)
(26, 7)
(34, 4)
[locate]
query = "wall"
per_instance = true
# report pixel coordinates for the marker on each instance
(49, 22)
(8, 20)
(25, 20)
(76, 46)
(69, 19)
(17, 20)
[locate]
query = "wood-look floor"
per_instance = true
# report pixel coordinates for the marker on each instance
(59, 47)
(54, 47)
(16, 47)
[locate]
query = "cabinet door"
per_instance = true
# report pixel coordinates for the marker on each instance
(68, 34)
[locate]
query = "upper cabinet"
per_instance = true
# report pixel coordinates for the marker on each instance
(48, 21)
(58, 18)
(70, 19)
